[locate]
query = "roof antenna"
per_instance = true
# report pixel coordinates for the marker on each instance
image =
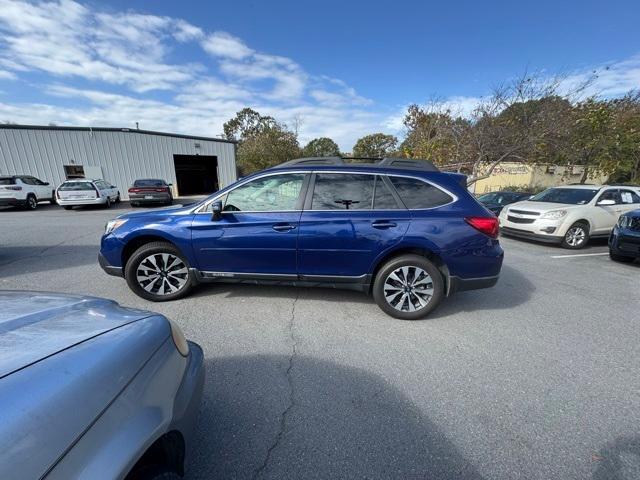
(137, 127)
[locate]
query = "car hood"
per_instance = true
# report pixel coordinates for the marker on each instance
(160, 212)
(541, 207)
(35, 325)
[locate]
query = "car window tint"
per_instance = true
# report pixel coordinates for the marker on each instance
(629, 196)
(383, 199)
(610, 195)
(266, 194)
(149, 183)
(342, 191)
(418, 194)
(70, 186)
(27, 180)
(7, 181)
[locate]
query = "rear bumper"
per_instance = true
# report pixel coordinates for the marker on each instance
(108, 268)
(11, 202)
(72, 203)
(514, 232)
(155, 197)
(457, 284)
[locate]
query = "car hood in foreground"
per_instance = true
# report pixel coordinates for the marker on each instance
(160, 212)
(34, 325)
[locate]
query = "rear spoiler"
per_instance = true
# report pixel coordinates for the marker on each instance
(460, 178)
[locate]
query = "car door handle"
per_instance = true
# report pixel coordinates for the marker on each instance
(283, 227)
(382, 224)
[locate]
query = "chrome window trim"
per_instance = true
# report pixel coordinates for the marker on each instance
(455, 198)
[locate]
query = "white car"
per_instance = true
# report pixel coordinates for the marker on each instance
(569, 215)
(81, 191)
(24, 191)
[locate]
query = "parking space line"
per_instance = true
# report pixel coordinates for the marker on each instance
(580, 255)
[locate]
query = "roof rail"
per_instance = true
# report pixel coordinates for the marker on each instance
(409, 163)
(313, 161)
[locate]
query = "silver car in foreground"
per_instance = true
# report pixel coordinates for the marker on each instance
(92, 390)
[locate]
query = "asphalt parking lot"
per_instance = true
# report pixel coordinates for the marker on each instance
(536, 378)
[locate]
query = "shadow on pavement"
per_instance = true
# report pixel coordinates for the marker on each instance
(619, 460)
(23, 260)
(340, 422)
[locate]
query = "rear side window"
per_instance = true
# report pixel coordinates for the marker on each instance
(418, 194)
(383, 199)
(342, 191)
(7, 181)
(76, 186)
(629, 196)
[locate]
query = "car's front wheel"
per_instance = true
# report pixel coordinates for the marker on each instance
(158, 272)
(577, 236)
(408, 287)
(32, 202)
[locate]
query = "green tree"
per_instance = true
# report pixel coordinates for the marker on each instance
(246, 123)
(271, 145)
(321, 147)
(375, 146)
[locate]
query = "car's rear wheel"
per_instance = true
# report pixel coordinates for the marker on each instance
(68, 207)
(118, 198)
(577, 236)
(158, 272)
(620, 258)
(107, 203)
(32, 202)
(408, 287)
(53, 197)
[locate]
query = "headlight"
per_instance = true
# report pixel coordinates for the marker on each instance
(554, 214)
(178, 339)
(624, 221)
(113, 224)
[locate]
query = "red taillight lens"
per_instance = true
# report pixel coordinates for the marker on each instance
(16, 188)
(134, 190)
(487, 225)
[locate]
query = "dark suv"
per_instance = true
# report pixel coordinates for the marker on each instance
(399, 229)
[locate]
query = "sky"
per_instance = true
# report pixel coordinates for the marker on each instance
(341, 69)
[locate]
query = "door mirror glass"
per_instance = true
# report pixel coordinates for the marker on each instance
(216, 210)
(606, 202)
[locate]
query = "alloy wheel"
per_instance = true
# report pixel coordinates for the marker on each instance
(575, 236)
(408, 289)
(32, 203)
(162, 274)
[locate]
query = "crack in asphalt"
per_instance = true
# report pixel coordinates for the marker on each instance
(291, 403)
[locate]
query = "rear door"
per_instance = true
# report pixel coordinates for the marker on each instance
(629, 200)
(348, 220)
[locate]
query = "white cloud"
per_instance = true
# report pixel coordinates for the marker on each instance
(607, 80)
(223, 44)
(5, 75)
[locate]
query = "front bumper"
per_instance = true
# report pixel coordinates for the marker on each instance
(527, 235)
(188, 397)
(108, 268)
(625, 242)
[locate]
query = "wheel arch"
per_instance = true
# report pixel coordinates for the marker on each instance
(168, 451)
(135, 243)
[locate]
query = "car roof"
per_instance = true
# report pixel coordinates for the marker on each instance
(361, 162)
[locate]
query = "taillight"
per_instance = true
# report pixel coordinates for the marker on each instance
(14, 187)
(487, 225)
(58, 193)
(134, 190)
(162, 189)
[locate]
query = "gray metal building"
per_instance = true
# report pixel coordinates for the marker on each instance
(194, 165)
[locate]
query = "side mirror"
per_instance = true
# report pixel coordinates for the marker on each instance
(47, 183)
(112, 186)
(605, 203)
(170, 184)
(216, 211)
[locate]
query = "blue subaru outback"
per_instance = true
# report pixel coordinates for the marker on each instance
(399, 229)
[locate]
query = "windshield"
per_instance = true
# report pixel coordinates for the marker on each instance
(488, 197)
(571, 196)
(148, 183)
(76, 186)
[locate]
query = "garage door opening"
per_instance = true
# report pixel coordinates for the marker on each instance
(196, 174)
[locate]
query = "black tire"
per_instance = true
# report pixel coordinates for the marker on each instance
(118, 198)
(576, 237)
(67, 207)
(139, 257)
(620, 258)
(415, 263)
(107, 204)
(54, 201)
(154, 473)
(31, 203)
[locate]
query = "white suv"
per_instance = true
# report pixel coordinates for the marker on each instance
(569, 215)
(83, 191)
(24, 191)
